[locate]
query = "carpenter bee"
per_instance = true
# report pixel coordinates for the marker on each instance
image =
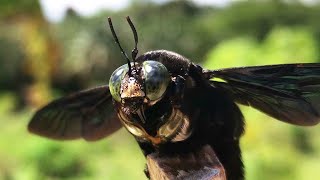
(169, 104)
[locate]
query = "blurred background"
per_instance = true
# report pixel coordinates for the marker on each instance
(51, 48)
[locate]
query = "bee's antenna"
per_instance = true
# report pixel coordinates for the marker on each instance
(134, 52)
(117, 41)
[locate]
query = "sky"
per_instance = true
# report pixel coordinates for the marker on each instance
(54, 10)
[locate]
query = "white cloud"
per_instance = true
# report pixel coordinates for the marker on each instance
(54, 10)
(212, 2)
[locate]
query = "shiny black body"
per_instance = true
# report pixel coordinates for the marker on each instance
(216, 119)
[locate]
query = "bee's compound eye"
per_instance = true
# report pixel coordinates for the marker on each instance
(115, 81)
(157, 79)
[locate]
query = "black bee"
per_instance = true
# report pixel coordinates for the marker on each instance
(170, 104)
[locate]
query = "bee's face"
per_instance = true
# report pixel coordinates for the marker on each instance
(146, 83)
(137, 90)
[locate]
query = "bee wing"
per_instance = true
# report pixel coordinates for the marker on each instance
(288, 92)
(88, 114)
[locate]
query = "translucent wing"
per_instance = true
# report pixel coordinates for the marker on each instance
(288, 92)
(88, 114)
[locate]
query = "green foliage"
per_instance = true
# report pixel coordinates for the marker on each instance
(9, 52)
(239, 51)
(290, 45)
(12, 8)
(281, 45)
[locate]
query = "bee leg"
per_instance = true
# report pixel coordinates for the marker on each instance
(177, 90)
(146, 171)
(145, 147)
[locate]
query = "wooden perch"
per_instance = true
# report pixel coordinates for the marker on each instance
(202, 164)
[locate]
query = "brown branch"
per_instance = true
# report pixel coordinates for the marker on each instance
(202, 164)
